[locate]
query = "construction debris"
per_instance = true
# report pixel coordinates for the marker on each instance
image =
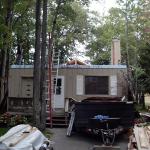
(24, 137)
(140, 139)
(97, 147)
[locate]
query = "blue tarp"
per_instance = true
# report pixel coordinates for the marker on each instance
(101, 117)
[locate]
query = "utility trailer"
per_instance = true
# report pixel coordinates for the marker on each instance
(120, 115)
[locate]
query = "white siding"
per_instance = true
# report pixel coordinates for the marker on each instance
(79, 85)
(113, 85)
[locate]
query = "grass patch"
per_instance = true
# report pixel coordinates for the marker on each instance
(140, 108)
(3, 131)
(48, 133)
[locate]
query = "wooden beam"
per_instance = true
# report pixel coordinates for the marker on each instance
(103, 147)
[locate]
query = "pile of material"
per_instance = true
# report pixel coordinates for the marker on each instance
(24, 137)
(140, 140)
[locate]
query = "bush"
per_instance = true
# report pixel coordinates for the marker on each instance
(5, 119)
(8, 120)
(18, 119)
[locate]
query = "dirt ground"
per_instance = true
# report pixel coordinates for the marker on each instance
(81, 141)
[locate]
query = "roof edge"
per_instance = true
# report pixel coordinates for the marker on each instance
(75, 66)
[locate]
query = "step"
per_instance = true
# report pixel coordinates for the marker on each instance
(57, 120)
(63, 124)
(57, 125)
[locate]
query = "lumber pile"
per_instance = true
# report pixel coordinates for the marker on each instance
(140, 139)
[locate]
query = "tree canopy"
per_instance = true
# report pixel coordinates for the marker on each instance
(129, 22)
(70, 22)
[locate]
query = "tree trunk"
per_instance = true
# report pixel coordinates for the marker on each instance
(4, 66)
(19, 51)
(43, 64)
(37, 64)
(39, 104)
(142, 100)
(54, 26)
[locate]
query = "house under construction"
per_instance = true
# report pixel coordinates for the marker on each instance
(74, 80)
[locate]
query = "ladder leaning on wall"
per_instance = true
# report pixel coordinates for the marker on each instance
(51, 82)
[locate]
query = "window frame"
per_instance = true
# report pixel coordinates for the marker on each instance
(95, 92)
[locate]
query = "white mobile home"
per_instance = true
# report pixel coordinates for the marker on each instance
(74, 81)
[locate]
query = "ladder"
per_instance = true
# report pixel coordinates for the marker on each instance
(51, 84)
(71, 122)
(55, 68)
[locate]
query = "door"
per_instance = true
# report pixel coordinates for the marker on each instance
(27, 87)
(59, 94)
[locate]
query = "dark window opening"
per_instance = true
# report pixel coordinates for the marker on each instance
(96, 85)
(58, 82)
(58, 87)
(58, 90)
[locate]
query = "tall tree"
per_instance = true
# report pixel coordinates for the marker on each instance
(37, 67)
(23, 29)
(71, 25)
(7, 13)
(144, 80)
(43, 64)
(99, 45)
(127, 22)
(39, 104)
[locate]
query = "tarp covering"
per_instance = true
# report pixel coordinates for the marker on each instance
(23, 137)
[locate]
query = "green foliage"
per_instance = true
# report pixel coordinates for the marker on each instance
(71, 26)
(129, 22)
(144, 59)
(114, 26)
(18, 119)
(20, 31)
(48, 133)
(23, 27)
(3, 131)
(139, 108)
(8, 120)
(5, 118)
(99, 45)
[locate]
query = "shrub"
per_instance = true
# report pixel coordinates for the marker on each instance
(18, 119)
(5, 119)
(8, 120)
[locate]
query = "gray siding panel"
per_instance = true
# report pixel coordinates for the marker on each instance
(70, 74)
(15, 84)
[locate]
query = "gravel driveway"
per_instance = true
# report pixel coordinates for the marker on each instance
(80, 141)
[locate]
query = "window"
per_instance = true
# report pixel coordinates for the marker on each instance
(96, 85)
(58, 87)
(79, 84)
